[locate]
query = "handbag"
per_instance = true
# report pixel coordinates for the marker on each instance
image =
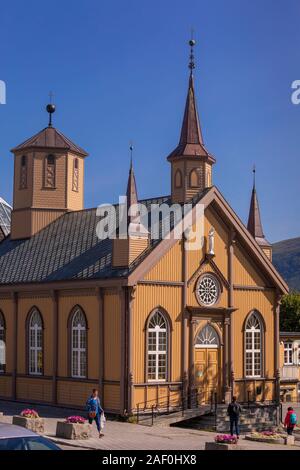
(92, 414)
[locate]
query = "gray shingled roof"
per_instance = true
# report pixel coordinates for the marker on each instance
(66, 249)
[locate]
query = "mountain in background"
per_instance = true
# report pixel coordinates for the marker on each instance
(286, 259)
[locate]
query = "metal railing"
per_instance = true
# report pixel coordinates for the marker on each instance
(148, 411)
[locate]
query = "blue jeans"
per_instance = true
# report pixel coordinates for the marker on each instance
(234, 422)
(97, 419)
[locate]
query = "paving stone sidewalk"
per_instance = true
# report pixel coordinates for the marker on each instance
(125, 436)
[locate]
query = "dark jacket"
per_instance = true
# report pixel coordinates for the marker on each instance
(234, 410)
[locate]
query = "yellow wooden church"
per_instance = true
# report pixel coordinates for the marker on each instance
(144, 321)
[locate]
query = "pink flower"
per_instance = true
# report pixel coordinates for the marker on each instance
(75, 419)
(28, 413)
(226, 439)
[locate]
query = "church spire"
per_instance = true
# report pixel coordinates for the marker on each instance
(191, 130)
(254, 221)
(131, 193)
(191, 162)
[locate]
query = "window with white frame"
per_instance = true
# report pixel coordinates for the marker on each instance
(35, 343)
(2, 344)
(78, 344)
(157, 347)
(288, 353)
(253, 346)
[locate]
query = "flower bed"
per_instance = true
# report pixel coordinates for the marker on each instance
(223, 442)
(74, 427)
(226, 439)
(269, 437)
(75, 419)
(28, 413)
(29, 419)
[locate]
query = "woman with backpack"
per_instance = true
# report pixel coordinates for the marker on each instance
(95, 411)
(290, 420)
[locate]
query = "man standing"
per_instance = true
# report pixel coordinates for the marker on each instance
(234, 410)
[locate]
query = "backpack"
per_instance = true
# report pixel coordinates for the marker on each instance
(293, 418)
(235, 409)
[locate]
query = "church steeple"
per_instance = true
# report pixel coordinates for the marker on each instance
(254, 221)
(131, 192)
(126, 250)
(191, 162)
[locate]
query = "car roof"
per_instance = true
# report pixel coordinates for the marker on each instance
(8, 431)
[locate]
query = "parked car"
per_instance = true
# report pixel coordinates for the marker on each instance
(17, 438)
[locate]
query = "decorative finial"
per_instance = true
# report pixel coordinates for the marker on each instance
(192, 43)
(50, 108)
(254, 176)
(131, 153)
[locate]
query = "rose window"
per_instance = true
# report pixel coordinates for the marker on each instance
(208, 290)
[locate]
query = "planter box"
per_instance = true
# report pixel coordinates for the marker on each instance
(73, 431)
(265, 440)
(219, 446)
(289, 440)
(34, 424)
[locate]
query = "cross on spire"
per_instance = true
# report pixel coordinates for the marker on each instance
(192, 43)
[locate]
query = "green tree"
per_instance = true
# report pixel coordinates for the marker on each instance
(290, 312)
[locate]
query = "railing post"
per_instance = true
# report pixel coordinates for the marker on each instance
(248, 398)
(137, 413)
(182, 405)
(152, 415)
(211, 400)
(168, 405)
(280, 411)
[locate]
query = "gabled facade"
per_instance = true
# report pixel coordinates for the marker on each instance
(146, 321)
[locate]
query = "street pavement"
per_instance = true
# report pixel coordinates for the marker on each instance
(126, 436)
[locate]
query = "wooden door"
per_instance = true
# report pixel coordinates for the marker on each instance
(206, 372)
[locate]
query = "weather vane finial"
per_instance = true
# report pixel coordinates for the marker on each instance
(192, 43)
(131, 153)
(50, 108)
(254, 175)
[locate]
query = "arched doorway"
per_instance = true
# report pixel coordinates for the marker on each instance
(207, 363)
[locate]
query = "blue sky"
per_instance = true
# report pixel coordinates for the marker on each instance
(118, 70)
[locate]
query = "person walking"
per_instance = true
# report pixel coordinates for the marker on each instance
(95, 411)
(234, 410)
(290, 420)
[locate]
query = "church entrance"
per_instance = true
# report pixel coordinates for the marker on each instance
(207, 364)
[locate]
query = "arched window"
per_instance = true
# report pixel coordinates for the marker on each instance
(178, 179)
(23, 172)
(78, 344)
(75, 184)
(157, 342)
(194, 178)
(253, 346)
(50, 171)
(35, 343)
(207, 338)
(2, 343)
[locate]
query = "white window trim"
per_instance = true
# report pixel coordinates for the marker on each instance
(252, 351)
(34, 347)
(78, 329)
(157, 352)
(288, 347)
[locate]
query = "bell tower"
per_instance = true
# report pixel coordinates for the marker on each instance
(48, 180)
(191, 164)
